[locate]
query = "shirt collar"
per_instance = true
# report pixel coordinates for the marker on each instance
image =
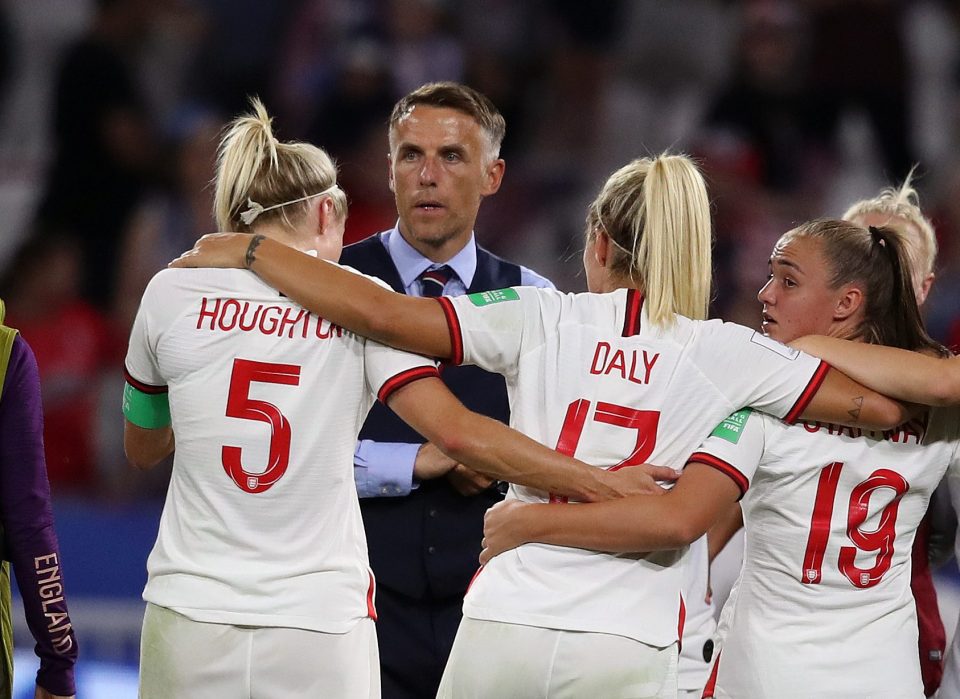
(411, 264)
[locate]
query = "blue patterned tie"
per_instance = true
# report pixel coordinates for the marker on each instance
(432, 281)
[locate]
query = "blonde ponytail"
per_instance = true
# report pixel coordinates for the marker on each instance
(253, 167)
(674, 257)
(657, 213)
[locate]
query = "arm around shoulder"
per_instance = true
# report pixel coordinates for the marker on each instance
(841, 400)
(898, 373)
(353, 301)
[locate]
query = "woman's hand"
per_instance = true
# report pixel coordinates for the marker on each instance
(504, 527)
(217, 250)
(640, 479)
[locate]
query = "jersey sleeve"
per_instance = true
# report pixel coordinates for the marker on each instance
(141, 368)
(735, 448)
(388, 369)
(492, 329)
(752, 370)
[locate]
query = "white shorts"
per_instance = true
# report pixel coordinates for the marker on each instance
(180, 657)
(494, 659)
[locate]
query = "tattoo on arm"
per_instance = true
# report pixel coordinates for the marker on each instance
(251, 250)
(854, 413)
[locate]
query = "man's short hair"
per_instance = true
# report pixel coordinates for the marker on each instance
(461, 98)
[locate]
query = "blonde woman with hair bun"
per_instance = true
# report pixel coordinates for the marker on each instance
(259, 582)
(899, 208)
(627, 374)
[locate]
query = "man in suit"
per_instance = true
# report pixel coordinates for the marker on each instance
(423, 513)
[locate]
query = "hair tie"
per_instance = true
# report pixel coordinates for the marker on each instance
(254, 209)
(878, 236)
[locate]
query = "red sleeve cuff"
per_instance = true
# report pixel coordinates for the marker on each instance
(724, 467)
(456, 334)
(142, 387)
(393, 384)
(808, 393)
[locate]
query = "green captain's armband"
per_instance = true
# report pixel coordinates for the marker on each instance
(148, 410)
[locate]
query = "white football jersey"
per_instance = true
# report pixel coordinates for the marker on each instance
(261, 525)
(823, 606)
(590, 375)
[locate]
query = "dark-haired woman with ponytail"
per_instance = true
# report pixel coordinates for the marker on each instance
(823, 605)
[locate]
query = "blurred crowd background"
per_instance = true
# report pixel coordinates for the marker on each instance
(110, 112)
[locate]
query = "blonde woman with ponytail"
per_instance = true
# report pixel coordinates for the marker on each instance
(627, 374)
(259, 583)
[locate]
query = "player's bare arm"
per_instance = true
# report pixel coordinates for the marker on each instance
(842, 401)
(909, 376)
(496, 451)
(144, 447)
(347, 299)
(719, 535)
(632, 524)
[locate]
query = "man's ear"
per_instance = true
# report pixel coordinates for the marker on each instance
(390, 173)
(851, 299)
(494, 176)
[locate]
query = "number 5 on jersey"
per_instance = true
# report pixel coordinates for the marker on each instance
(240, 405)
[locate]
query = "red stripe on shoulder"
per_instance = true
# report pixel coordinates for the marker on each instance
(631, 319)
(456, 333)
(724, 467)
(143, 387)
(808, 393)
(393, 384)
